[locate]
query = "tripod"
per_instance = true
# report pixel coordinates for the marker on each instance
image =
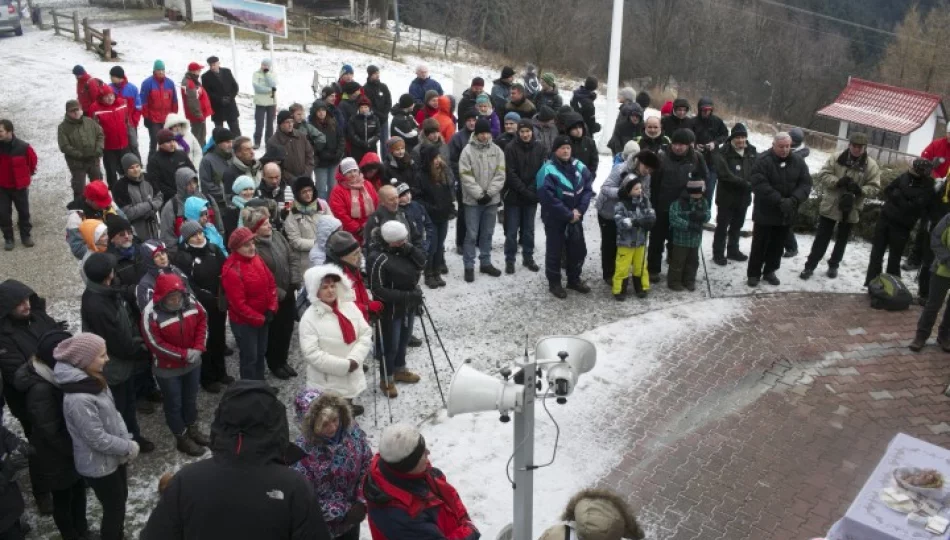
(423, 315)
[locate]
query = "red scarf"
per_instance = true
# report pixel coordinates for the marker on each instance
(346, 327)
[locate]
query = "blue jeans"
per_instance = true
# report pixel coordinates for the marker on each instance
(396, 334)
(711, 180)
(325, 181)
(437, 245)
(478, 219)
(519, 218)
(252, 348)
(180, 400)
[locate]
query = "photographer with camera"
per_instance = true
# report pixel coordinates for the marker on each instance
(394, 280)
(847, 181)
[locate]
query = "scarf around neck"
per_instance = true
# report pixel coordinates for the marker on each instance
(358, 210)
(346, 327)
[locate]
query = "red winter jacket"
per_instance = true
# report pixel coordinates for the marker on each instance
(189, 85)
(341, 206)
(114, 120)
(17, 164)
(159, 99)
(169, 334)
(250, 289)
(939, 148)
(421, 506)
(87, 91)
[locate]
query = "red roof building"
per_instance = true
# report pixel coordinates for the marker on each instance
(893, 117)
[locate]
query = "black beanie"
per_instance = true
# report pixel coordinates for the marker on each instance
(560, 141)
(525, 123)
(545, 114)
(98, 266)
(683, 136)
(221, 134)
(590, 83)
(116, 224)
(506, 72)
(643, 99)
(283, 116)
(117, 72)
(47, 344)
(372, 69)
(406, 101)
(478, 81)
(482, 125)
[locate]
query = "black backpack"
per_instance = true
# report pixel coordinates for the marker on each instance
(889, 293)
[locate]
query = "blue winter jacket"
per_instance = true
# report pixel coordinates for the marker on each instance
(418, 88)
(642, 218)
(563, 188)
(421, 223)
(193, 208)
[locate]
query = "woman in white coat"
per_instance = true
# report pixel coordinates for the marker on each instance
(187, 143)
(335, 339)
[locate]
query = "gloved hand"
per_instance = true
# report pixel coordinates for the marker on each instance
(485, 200)
(375, 306)
(854, 188)
(13, 463)
(787, 206)
(627, 222)
(268, 317)
(355, 516)
(354, 365)
(156, 204)
(192, 356)
(406, 248)
(134, 452)
(414, 297)
(697, 216)
(843, 182)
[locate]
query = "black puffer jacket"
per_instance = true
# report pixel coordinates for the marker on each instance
(907, 199)
(669, 181)
(362, 132)
(53, 463)
(105, 313)
(11, 500)
(522, 163)
(378, 94)
(402, 172)
(583, 102)
(203, 268)
(19, 338)
(671, 123)
(709, 129)
(246, 489)
(438, 198)
(332, 152)
(404, 125)
(624, 131)
(129, 269)
(774, 179)
(161, 171)
(735, 176)
(394, 279)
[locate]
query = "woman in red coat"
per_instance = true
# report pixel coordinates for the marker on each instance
(251, 292)
(112, 113)
(352, 200)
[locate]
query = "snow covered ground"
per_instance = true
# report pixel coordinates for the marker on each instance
(485, 322)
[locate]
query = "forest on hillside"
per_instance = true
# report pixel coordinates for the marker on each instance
(760, 58)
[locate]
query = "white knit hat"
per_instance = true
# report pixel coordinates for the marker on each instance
(394, 231)
(348, 165)
(399, 442)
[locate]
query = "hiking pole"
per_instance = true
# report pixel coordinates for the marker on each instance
(382, 358)
(705, 272)
(435, 372)
(435, 330)
(375, 386)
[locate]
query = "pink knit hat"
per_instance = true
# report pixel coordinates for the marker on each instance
(80, 350)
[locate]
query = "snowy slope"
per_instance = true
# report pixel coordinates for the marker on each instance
(486, 321)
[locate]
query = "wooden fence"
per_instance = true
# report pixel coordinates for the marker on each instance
(305, 28)
(98, 40)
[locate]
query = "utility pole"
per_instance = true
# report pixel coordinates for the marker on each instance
(613, 71)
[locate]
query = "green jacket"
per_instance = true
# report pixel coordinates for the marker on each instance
(940, 244)
(863, 170)
(80, 140)
(683, 231)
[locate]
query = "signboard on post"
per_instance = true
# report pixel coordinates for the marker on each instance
(259, 17)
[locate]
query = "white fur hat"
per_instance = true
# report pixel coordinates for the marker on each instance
(394, 231)
(398, 442)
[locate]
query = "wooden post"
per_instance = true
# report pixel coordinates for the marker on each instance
(445, 51)
(305, 30)
(419, 43)
(76, 35)
(392, 54)
(87, 37)
(107, 44)
(55, 22)
(457, 48)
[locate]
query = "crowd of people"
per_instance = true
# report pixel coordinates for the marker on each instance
(204, 237)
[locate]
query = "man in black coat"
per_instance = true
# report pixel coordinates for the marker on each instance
(381, 101)
(583, 102)
(163, 164)
(246, 489)
(733, 162)
(394, 279)
(467, 103)
(583, 147)
(130, 263)
(679, 119)
(780, 182)
(222, 91)
(677, 167)
(711, 132)
(106, 313)
(524, 157)
(23, 321)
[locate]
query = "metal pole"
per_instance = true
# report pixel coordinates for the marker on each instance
(524, 458)
(613, 71)
(396, 14)
(234, 62)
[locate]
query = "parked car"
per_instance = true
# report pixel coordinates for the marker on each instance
(10, 17)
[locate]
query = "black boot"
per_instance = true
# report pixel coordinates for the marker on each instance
(531, 265)
(918, 343)
(623, 286)
(430, 280)
(557, 290)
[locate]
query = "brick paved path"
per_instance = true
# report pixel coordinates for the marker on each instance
(768, 427)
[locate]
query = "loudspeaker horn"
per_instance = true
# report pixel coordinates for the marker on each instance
(474, 391)
(581, 353)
